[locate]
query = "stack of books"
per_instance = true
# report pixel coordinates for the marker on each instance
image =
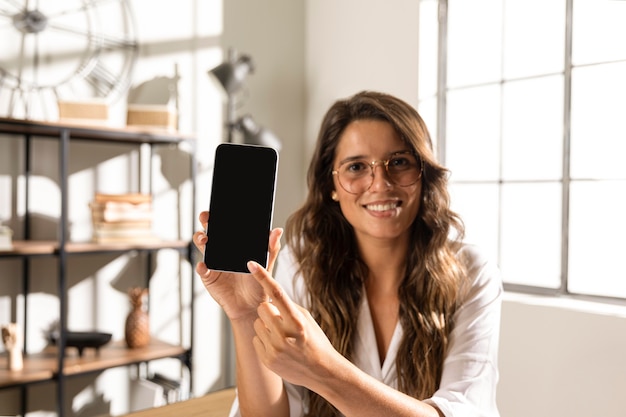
(122, 218)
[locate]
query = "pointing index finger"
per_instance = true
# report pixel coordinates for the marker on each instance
(272, 288)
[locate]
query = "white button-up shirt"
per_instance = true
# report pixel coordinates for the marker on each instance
(470, 372)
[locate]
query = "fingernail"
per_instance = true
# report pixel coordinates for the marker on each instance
(252, 266)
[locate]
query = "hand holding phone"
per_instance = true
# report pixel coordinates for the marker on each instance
(241, 206)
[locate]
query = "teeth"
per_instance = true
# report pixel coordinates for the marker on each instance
(382, 207)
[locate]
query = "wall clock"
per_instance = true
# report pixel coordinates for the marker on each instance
(71, 50)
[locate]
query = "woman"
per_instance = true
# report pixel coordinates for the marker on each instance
(378, 308)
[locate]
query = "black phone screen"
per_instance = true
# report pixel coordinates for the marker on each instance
(241, 206)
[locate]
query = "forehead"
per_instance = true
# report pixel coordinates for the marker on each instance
(368, 138)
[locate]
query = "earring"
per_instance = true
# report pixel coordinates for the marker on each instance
(334, 196)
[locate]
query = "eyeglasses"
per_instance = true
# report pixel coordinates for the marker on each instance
(357, 175)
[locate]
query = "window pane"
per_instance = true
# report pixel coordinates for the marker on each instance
(530, 251)
(473, 133)
(532, 129)
(477, 204)
(599, 32)
(428, 44)
(504, 137)
(540, 49)
(598, 132)
(596, 243)
(428, 110)
(474, 42)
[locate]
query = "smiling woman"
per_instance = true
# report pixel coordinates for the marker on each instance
(374, 289)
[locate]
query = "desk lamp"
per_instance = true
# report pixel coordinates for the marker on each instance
(231, 75)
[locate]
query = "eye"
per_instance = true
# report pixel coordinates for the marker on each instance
(356, 168)
(402, 162)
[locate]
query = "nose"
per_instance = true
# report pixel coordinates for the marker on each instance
(382, 180)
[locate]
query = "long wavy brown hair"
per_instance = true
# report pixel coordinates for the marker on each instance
(325, 247)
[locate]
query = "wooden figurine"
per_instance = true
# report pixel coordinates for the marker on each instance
(137, 329)
(12, 340)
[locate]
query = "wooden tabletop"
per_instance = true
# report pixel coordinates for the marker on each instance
(214, 404)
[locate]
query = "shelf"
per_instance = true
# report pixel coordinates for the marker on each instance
(42, 366)
(34, 371)
(113, 355)
(34, 247)
(51, 247)
(127, 134)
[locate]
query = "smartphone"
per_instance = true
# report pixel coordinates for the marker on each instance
(241, 206)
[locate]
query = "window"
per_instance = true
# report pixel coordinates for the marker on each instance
(526, 100)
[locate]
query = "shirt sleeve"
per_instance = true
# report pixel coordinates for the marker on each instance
(470, 371)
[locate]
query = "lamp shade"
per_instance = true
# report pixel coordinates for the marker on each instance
(232, 74)
(253, 134)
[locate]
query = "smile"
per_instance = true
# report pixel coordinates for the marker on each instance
(382, 207)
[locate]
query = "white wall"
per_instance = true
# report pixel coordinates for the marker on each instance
(561, 358)
(352, 45)
(272, 32)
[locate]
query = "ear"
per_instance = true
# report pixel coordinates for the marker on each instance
(334, 196)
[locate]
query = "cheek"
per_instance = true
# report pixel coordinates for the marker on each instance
(415, 200)
(346, 200)
(348, 204)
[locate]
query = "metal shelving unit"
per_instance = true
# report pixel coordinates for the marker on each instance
(52, 365)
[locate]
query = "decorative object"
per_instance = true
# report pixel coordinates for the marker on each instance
(137, 330)
(82, 340)
(86, 112)
(231, 76)
(12, 339)
(154, 103)
(151, 116)
(64, 51)
(6, 238)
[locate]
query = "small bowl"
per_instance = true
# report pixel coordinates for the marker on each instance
(82, 340)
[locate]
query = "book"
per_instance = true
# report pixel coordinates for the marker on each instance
(122, 218)
(133, 198)
(121, 212)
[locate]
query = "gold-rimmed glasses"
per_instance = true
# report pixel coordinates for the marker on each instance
(357, 175)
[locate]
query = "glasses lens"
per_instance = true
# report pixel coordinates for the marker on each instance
(402, 169)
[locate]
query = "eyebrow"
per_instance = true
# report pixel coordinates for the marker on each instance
(361, 157)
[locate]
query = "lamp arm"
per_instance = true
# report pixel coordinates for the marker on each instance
(231, 118)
